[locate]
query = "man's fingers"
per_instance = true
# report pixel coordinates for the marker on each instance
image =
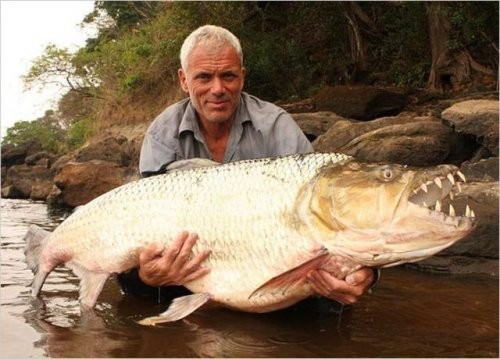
(362, 276)
(196, 274)
(198, 259)
(178, 245)
(187, 246)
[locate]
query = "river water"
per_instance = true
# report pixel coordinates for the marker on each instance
(409, 314)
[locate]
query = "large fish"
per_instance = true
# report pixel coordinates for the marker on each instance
(267, 222)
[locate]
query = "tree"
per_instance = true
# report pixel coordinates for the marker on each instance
(452, 62)
(46, 130)
(57, 66)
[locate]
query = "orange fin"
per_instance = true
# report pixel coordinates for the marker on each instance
(179, 308)
(292, 277)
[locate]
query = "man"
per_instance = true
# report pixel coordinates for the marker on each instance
(220, 122)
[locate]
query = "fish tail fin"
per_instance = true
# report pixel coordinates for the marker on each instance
(35, 240)
(179, 308)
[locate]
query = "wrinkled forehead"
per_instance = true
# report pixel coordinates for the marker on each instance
(209, 58)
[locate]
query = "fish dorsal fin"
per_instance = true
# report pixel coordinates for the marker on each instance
(191, 163)
(292, 277)
(179, 308)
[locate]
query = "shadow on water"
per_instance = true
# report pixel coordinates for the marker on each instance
(410, 314)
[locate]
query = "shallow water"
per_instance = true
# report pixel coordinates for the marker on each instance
(409, 314)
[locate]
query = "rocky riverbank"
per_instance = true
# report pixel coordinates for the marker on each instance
(372, 124)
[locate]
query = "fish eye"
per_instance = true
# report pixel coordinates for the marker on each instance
(387, 173)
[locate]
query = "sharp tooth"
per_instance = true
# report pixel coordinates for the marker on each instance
(425, 204)
(450, 178)
(459, 187)
(438, 182)
(472, 214)
(461, 175)
(452, 211)
(438, 206)
(424, 187)
(467, 211)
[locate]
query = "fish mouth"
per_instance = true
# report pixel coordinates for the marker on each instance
(435, 196)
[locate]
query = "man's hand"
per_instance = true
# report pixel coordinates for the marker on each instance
(173, 265)
(346, 291)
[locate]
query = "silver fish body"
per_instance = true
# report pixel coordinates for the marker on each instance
(267, 222)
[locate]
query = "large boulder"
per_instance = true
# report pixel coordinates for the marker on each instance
(478, 253)
(25, 181)
(314, 124)
(478, 118)
(110, 149)
(406, 139)
(15, 155)
(482, 171)
(360, 102)
(79, 182)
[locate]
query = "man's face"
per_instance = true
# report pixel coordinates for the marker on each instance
(214, 79)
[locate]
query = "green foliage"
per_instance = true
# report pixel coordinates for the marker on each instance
(128, 72)
(44, 130)
(78, 132)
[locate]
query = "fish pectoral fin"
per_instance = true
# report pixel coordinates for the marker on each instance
(91, 284)
(292, 277)
(179, 308)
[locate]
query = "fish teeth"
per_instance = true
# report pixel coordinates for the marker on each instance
(461, 175)
(438, 182)
(450, 178)
(452, 211)
(472, 214)
(452, 196)
(438, 206)
(467, 211)
(424, 187)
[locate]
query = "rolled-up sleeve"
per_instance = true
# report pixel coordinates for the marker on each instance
(154, 155)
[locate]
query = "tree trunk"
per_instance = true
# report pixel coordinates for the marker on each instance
(356, 41)
(439, 33)
(449, 71)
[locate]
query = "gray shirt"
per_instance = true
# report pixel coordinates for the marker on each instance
(260, 129)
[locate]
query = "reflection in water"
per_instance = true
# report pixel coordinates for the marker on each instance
(410, 314)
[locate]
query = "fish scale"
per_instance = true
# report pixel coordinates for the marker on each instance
(265, 221)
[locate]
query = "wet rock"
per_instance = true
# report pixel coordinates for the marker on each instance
(360, 102)
(80, 182)
(482, 171)
(61, 162)
(13, 192)
(40, 158)
(16, 155)
(406, 139)
(110, 149)
(314, 124)
(22, 179)
(40, 190)
(457, 265)
(478, 118)
(478, 253)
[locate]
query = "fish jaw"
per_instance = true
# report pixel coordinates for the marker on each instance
(388, 214)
